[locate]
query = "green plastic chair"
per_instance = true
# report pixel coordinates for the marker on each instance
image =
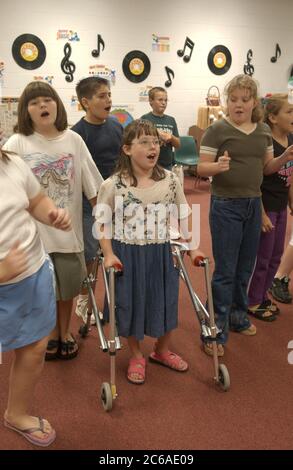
(187, 153)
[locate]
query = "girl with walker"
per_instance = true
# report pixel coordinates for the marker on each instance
(133, 224)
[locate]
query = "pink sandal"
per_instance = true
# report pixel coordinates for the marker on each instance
(48, 438)
(169, 359)
(136, 370)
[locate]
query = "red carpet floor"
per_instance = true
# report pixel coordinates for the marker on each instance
(172, 410)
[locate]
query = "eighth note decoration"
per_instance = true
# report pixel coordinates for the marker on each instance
(190, 44)
(67, 66)
(277, 54)
(100, 42)
(248, 68)
(170, 75)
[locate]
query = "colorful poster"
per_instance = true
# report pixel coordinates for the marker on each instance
(122, 115)
(103, 72)
(8, 114)
(160, 43)
(42, 78)
(144, 93)
(67, 34)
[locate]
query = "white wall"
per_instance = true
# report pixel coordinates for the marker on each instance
(129, 24)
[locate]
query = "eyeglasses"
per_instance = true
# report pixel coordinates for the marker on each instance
(149, 143)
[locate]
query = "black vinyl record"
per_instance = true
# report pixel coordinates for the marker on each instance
(219, 60)
(136, 66)
(28, 51)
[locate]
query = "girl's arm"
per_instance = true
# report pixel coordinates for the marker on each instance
(272, 165)
(267, 225)
(208, 167)
(43, 209)
(188, 236)
(110, 259)
(13, 264)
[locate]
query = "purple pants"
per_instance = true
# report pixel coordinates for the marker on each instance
(270, 250)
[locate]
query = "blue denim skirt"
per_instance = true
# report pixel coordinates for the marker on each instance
(146, 294)
(27, 309)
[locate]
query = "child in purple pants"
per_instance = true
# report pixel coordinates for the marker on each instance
(275, 190)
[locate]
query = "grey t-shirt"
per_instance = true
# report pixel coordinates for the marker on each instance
(167, 124)
(247, 152)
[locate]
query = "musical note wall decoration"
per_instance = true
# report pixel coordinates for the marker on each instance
(248, 68)
(100, 42)
(170, 75)
(277, 54)
(188, 44)
(67, 66)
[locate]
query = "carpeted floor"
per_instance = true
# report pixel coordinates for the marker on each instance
(172, 410)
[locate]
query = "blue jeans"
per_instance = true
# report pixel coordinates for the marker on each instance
(235, 229)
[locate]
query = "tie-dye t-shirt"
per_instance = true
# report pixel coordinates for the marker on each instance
(65, 169)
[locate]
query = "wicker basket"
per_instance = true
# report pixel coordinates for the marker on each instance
(213, 96)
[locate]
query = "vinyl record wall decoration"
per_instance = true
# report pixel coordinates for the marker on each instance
(28, 51)
(219, 60)
(136, 66)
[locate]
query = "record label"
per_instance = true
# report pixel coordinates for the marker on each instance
(28, 51)
(219, 60)
(136, 66)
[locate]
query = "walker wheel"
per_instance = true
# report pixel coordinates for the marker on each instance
(224, 378)
(106, 396)
(83, 331)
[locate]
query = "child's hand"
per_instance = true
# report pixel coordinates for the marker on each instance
(267, 225)
(195, 254)
(14, 263)
(224, 162)
(59, 218)
(165, 136)
(112, 261)
(289, 153)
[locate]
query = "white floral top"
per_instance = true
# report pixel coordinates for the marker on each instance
(140, 216)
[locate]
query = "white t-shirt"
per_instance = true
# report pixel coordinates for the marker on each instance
(17, 186)
(65, 169)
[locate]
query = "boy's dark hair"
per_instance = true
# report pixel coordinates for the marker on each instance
(87, 87)
(154, 90)
(35, 90)
(134, 130)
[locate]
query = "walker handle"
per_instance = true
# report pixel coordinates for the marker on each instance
(118, 267)
(199, 261)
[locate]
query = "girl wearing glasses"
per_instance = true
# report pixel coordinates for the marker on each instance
(133, 212)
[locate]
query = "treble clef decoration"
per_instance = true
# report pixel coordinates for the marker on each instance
(248, 68)
(67, 66)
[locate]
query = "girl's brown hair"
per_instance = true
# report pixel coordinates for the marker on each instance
(248, 83)
(35, 90)
(273, 105)
(134, 130)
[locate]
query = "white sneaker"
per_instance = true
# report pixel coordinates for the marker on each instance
(81, 309)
